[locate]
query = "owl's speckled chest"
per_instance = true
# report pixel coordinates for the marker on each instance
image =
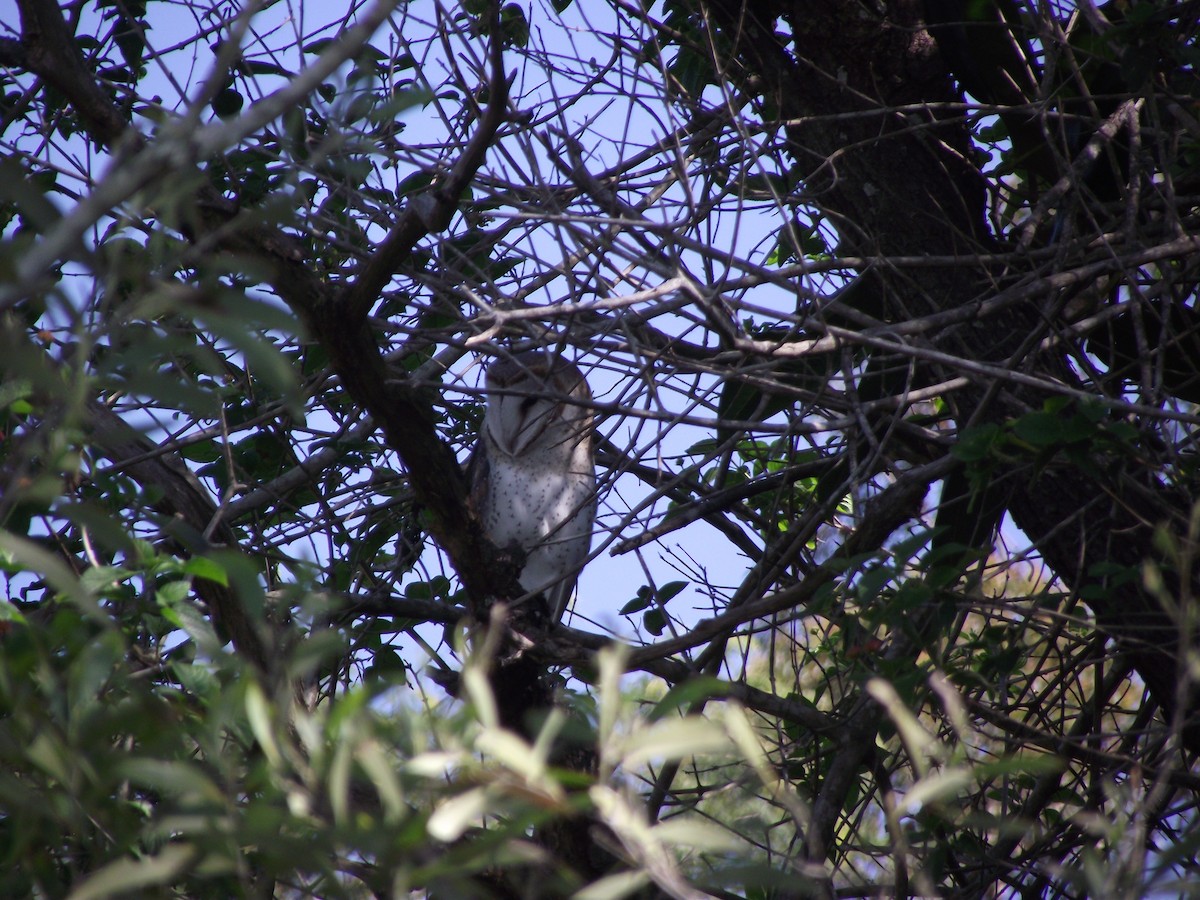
(531, 500)
(544, 505)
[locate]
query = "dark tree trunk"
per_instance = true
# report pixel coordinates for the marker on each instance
(858, 90)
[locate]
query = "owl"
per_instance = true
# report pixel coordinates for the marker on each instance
(532, 473)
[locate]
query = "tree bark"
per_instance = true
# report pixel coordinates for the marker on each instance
(877, 132)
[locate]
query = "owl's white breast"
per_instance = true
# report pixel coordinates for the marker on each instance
(543, 510)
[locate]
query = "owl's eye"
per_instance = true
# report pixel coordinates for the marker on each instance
(527, 404)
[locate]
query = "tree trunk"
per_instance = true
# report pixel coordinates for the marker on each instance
(876, 131)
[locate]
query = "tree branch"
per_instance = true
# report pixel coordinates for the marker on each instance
(431, 212)
(907, 191)
(186, 499)
(884, 515)
(50, 52)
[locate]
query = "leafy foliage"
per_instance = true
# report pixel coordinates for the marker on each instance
(890, 315)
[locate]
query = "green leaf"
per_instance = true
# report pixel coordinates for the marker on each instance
(13, 390)
(655, 621)
(319, 46)
(172, 593)
(208, 569)
(637, 604)
(197, 679)
(387, 665)
(687, 693)
(454, 816)
(124, 876)
(614, 887)
(171, 778)
(90, 673)
(26, 193)
(692, 70)
(669, 590)
(262, 355)
(909, 547)
(670, 739)
(259, 67)
(227, 103)
(417, 181)
(941, 786)
(1039, 428)
(978, 443)
(694, 834)
(96, 579)
(29, 556)
(184, 616)
(767, 184)
(258, 713)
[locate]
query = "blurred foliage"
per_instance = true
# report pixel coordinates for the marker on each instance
(175, 446)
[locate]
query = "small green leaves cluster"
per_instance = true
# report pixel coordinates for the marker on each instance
(1085, 434)
(651, 602)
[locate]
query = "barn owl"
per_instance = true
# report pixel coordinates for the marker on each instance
(533, 479)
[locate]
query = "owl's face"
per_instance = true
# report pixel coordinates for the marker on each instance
(536, 404)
